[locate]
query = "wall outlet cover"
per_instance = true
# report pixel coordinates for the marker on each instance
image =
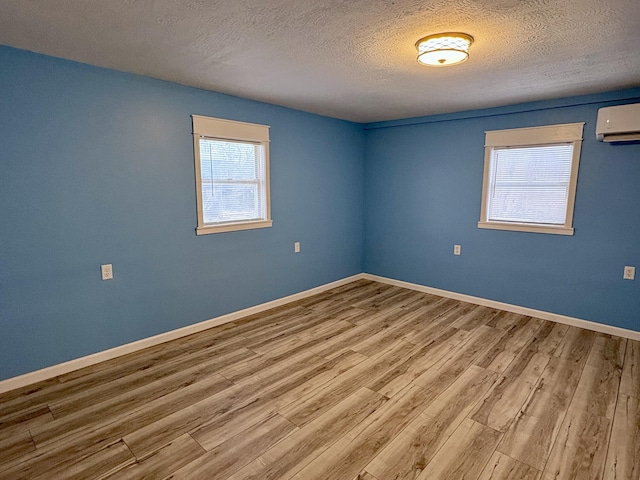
(107, 271)
(629, 273)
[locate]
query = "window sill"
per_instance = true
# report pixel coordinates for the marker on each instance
(232, 227)
(525, 227)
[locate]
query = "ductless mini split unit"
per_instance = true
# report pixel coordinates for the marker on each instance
(619, 124)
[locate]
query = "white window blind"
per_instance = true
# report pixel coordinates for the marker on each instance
(232, 175)
(530, 178)
(530, 184)
(232, 181)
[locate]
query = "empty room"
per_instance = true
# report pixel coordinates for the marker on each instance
(320, 240)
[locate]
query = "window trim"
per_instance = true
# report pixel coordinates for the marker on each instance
(221, 129)
(534, 137)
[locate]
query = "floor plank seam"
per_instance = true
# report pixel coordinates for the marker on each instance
(130, 451)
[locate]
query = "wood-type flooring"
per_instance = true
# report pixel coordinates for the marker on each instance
(366, 381)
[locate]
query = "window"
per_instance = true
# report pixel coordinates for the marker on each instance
(530, 177)
(232, 175)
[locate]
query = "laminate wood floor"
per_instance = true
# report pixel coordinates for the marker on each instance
(366, 381)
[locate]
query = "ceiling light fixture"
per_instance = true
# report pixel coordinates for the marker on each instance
(443, 49)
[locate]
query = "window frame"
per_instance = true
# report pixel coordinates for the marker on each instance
(533, 137)
(233, 131)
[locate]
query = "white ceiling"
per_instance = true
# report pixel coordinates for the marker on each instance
(351, 59)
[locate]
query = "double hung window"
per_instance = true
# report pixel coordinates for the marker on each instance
(232, 175)
(530, 178)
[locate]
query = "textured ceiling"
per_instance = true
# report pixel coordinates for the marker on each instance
(351, 59)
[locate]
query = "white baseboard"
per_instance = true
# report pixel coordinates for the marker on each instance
(78, 363)
(554, 317)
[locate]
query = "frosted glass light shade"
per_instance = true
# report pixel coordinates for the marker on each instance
(444, 49)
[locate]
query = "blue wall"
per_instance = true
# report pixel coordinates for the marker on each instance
(96, 166)
(423, 186)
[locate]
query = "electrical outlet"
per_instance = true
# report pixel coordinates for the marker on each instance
(107, 271)
(296, 247)
(629, 273)
(456, 249)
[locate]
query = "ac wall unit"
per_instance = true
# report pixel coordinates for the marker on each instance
(619, 124)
